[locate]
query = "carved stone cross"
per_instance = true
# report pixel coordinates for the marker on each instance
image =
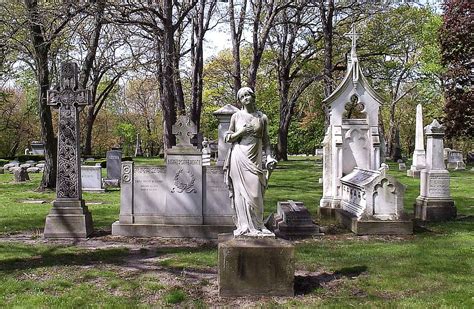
(68, 99)
(184, 129)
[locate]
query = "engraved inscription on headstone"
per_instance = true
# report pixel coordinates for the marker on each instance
(149, 190)
(438, 185)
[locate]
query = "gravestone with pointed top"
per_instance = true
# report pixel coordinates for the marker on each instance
(434, 202)
(69, 217)
(419, 155)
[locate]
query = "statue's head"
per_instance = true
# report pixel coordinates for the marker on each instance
(246, 95)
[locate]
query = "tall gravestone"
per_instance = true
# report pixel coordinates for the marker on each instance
(69, 217)
(419, 155)
(435, 202)
(184, 176)
(352, 137)
(223, 115)
(138, 147)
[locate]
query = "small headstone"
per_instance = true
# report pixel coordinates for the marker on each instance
(32, 162)
(25, 165)
(2, 171)
(138, 147)
(21, 175)
(91, 177)
(90, 159)
(293, 220)
(40, 165)
(402, 166)
(455, 160)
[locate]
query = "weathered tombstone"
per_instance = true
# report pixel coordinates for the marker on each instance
(69, 217)
(402, 166)
(223, 115)
(293, 220)
(455, 160)
(434, 202)
(352, 138)
(91, 178)
(419, 155)
(114, 162)
(20, 173)
(37, 148)
(138, 147)
(372, 203)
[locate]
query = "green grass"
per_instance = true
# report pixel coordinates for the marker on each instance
(431, 269)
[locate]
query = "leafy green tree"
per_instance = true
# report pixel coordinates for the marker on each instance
(457, 46)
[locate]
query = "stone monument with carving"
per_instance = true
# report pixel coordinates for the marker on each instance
(434, 202)
(352, 137)
(69, 217)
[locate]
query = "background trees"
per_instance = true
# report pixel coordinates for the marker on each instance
(145, 62)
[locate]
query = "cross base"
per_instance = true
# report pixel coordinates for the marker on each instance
(68, 219)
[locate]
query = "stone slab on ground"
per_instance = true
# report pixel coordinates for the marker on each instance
(403, 226)
(250, 266)
(167, 230)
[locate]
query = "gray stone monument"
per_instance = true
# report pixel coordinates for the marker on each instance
(223, 115)
(419, 155)
(20, 173)
(434, 202)
(37, 148)
(69, 217)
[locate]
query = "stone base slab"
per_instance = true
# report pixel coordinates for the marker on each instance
(251, 266)
(434, 209)
(172, 231)
(403, 226)
(68, 219)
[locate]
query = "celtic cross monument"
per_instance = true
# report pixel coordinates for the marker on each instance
(69, 217)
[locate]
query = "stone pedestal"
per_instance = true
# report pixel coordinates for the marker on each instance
(256, 266)
(68, 219)
(434, 202)
(223, 115)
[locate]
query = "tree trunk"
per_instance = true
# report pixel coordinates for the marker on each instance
(167, 99)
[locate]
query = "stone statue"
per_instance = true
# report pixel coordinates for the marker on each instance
(247, 181)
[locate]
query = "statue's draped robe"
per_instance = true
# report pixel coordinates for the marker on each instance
(244, 174)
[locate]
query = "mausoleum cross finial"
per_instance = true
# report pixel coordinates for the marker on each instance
(354, 36)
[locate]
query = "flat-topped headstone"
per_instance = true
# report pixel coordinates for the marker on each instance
(69, 217)
(455, 160)
(434, 202)
(91, 178)
(114, 163)
(402, 166)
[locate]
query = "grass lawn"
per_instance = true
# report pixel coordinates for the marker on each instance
(433, 268)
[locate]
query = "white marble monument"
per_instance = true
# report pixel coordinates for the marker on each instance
(352, 137)
(434, 202)
(419, 155)
(91, 179)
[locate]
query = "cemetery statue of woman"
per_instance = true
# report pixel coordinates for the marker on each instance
(247, 181)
